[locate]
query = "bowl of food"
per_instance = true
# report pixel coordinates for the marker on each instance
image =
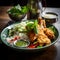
(17, 13)
(30, 35)
(50, 17)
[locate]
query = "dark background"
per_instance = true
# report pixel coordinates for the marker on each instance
(50, 3)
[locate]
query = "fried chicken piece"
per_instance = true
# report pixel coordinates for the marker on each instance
(41, 22)
(32, 36)
(42, 38)
(49, 33)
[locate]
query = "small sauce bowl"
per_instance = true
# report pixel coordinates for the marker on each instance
(21, 43)
(50, 17)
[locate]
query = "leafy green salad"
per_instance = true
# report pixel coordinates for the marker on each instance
(17, 10)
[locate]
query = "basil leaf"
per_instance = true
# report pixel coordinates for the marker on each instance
(35, 26)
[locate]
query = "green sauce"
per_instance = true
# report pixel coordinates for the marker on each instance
(21, 43)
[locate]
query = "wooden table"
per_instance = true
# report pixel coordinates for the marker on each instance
(52, 53)
(4, 18)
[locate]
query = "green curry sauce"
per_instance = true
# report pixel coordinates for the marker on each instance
(21, 43)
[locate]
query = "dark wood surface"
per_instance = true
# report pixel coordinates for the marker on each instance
(51, 53)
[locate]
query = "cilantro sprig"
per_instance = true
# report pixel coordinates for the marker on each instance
(32, 26)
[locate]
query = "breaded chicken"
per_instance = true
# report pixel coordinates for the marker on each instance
(41, 22)
(42, 38)
(49, 33)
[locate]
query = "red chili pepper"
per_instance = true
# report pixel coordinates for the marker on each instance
(16, 38)
(33, 45)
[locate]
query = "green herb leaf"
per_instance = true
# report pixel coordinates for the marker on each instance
(32, 26)
(35, 26)
(25, 9)
(18, 10)
(39, 46)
